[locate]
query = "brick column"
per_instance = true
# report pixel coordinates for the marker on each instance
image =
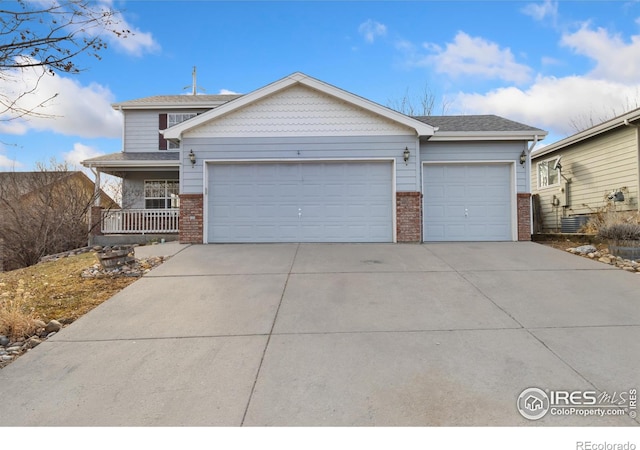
(408, 216)
(524, 216)
(191, 218)
(95, 221)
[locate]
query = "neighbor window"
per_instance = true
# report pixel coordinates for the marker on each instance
(175, 119)
(161, 194)
(547, 175)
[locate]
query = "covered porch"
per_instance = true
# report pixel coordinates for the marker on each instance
(148, 185)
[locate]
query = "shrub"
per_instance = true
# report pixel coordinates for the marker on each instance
(605, 219)
(16, 319)
(620, 232)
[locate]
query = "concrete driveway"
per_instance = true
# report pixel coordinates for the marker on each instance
(338, 334)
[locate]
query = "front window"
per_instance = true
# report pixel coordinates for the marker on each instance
(161, 194)
(175, 119)
(548, 175)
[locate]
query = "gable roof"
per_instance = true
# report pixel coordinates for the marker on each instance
(421, 128)
(611, 124)
(177, 101)
(480, 127)
(21, 184)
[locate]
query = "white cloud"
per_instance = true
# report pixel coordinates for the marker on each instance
(7, 163)
(554, 103)
(615, 59)
(227, 92)
(135, 43)
(473, 56)
(79, 153)
(68, 107)
(540, 11)
(370, 30)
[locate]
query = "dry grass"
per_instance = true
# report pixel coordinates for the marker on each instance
(17, 318)
(56, 290)
(606, 218)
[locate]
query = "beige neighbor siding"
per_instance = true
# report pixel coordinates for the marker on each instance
(596, 167)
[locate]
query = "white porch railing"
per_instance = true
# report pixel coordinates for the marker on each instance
(140, 221)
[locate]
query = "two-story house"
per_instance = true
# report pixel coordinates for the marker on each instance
(300, 160)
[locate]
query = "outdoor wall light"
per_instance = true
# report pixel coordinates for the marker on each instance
(192, 158)
(406, 154)
(523, 158)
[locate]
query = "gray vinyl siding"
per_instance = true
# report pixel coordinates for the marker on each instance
(300, 148)
(596, 167)
(133, 186)
(477, 151)
(141, 129)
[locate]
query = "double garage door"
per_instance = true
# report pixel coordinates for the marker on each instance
(300, 202)
(467, 202)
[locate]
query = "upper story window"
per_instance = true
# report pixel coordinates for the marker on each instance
(167, 121)
(548, 175)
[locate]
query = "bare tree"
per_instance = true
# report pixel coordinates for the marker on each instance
(43, 212)
(584, 121)
(48, 36)
(423, 105)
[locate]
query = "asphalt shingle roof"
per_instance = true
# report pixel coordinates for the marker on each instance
(179, 100)
(474, 123)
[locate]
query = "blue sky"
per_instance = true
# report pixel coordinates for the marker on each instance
(550, 64)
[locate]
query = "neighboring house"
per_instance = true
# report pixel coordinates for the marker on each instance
(598, 170)
(44, 212)
(300, 160)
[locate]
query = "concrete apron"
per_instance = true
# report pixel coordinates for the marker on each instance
(338, 334)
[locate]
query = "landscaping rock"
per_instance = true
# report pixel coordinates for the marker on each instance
(585, 249)
(6, 358)
(605, 259)
(4, 341)
(39, 323)
(136, 268)
(53, 326)
(32, 342)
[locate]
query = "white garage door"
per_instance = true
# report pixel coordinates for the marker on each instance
(300, 202)
(467, 202)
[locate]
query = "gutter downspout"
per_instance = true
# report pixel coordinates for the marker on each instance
(528, 163)
(628, 124)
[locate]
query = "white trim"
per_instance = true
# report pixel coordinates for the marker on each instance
(151, 164)
(422, 129)
(611, 124)
(207, 162)
(497, 162)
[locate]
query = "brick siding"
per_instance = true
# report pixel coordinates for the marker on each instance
(191, 218)
(95, 224)
(409, 216)
(524, 216)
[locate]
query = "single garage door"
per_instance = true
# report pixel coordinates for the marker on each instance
(467, 202)
(300, 202)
